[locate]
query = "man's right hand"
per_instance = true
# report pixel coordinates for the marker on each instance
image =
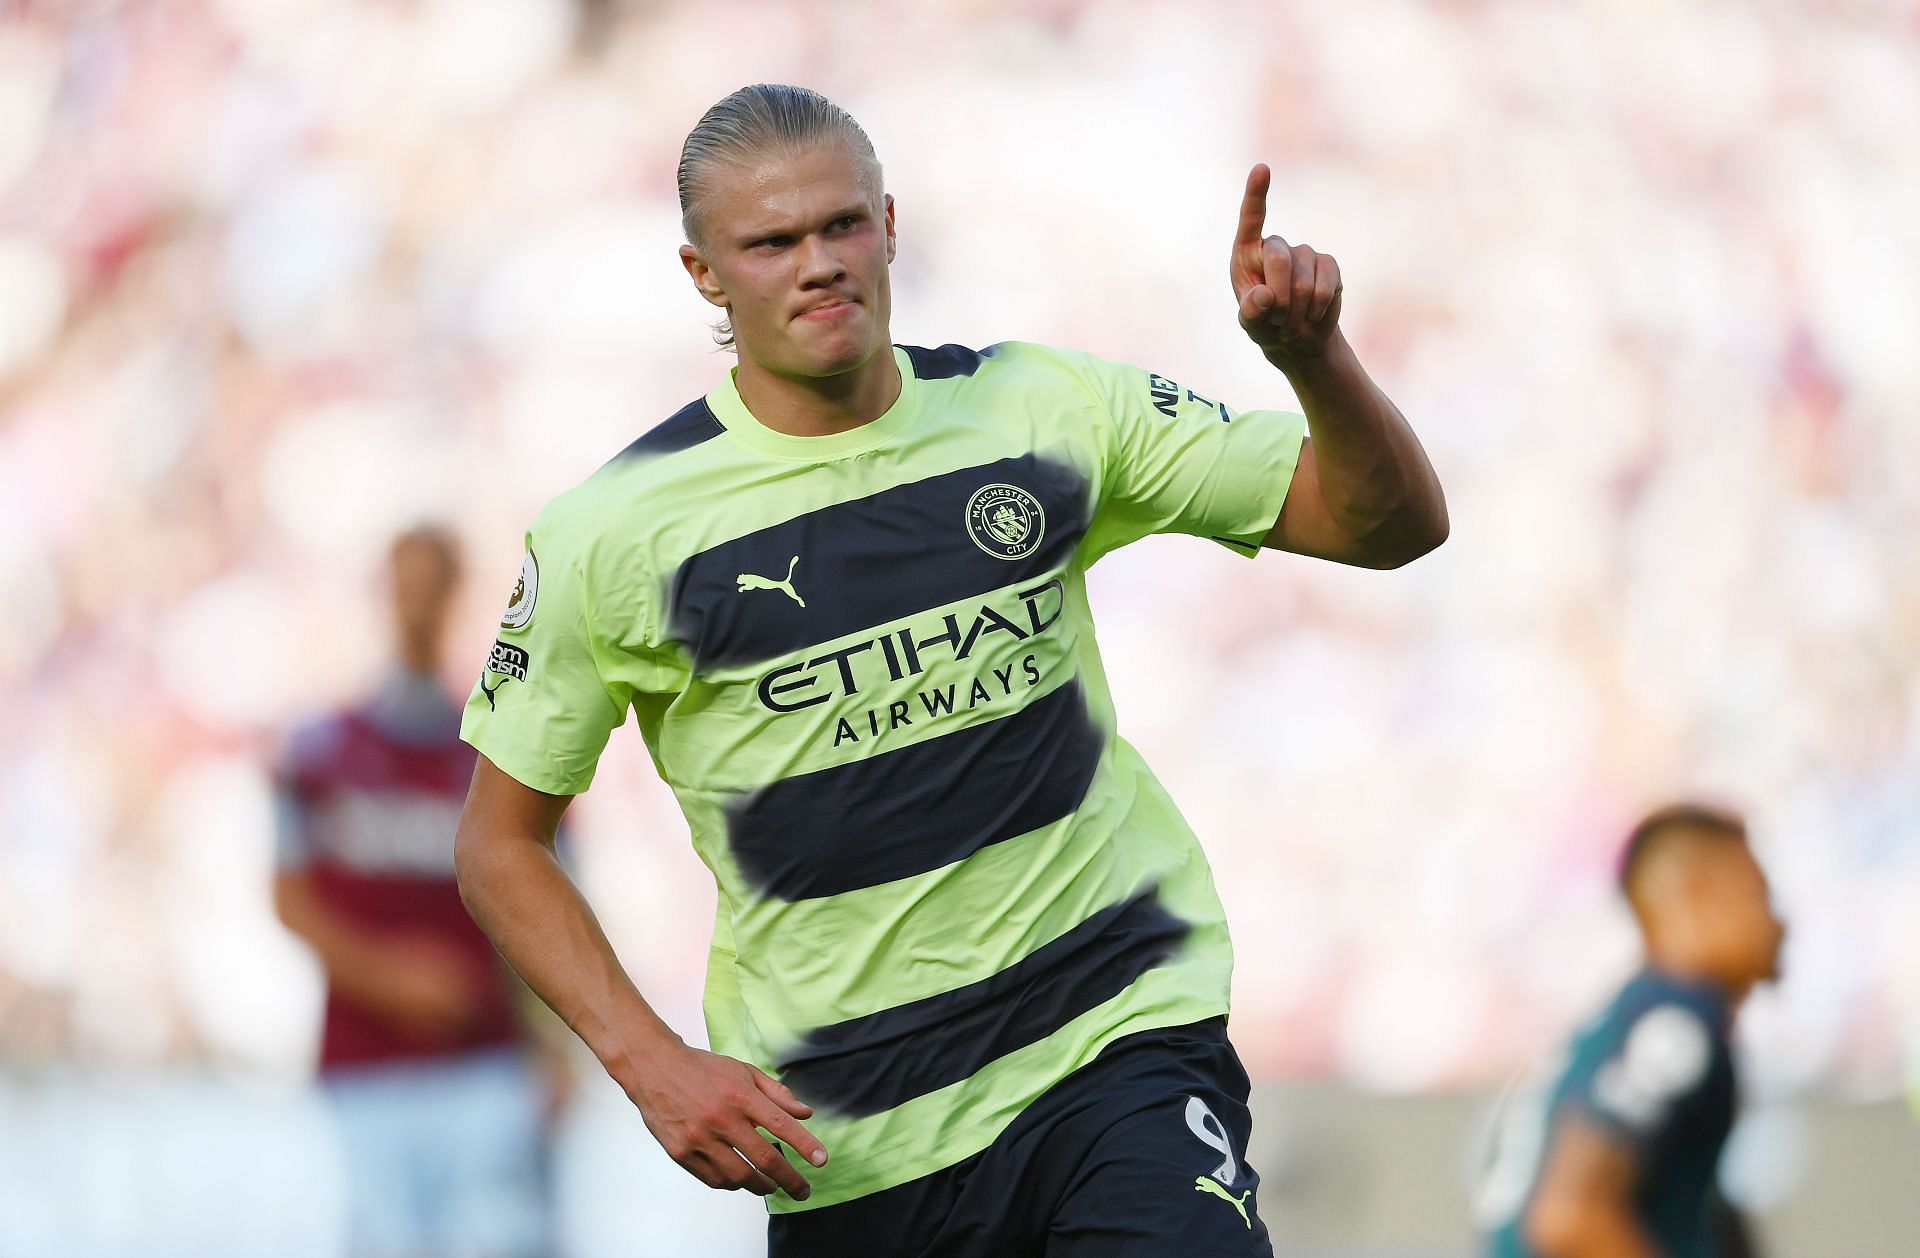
(708, 1111)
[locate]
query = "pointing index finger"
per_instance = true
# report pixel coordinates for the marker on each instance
(1253, 206)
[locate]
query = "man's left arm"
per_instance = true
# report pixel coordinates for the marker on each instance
(1363, 492)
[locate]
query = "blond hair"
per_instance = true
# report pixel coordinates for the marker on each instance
(748, 123)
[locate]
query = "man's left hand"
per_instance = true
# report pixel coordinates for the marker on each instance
(1289, 295)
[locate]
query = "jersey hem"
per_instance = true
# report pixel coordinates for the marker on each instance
(1161, 1020)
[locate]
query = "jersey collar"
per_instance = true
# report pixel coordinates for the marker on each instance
(733, 414)
(1710, 997)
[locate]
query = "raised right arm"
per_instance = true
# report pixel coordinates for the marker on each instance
(703, 1108)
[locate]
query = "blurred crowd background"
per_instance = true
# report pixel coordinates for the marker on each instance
(281, 277)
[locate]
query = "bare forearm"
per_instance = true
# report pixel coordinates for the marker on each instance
(519, 894)
(352, 958)
(706, 1110)
(1593, 1229)
(1623, 1241)
(1378, 485)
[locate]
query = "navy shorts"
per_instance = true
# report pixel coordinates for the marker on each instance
(1139, 1154)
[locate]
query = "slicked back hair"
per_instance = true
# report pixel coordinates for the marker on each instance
(765, 117)
(1666, 823)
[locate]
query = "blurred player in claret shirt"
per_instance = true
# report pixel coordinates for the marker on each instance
(441, 1111)
(1620, 1160)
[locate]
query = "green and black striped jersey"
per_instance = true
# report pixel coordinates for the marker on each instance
(866, 666)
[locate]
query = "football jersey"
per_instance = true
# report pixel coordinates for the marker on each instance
(866, 666)
(1655, 1072)
(369, 800)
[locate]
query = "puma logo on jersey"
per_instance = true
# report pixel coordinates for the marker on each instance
(504, 661)
(1205, 1183)
(753, 581)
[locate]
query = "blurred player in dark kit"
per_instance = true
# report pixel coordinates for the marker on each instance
(441, 1112)
(1620, 1160)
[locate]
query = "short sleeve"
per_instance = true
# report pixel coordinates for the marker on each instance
(1644, 1077)
(1176, 461)
(545, 703)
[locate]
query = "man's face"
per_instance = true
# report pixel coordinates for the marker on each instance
(1747, 933)
(796, 246)
(423, 587)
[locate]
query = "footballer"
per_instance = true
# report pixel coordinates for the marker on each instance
(967, 988)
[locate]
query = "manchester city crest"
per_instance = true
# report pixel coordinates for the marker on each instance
(1005, 521)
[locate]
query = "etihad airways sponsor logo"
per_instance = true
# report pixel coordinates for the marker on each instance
(938, 701)
(911, 650)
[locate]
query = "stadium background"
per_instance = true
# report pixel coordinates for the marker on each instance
(283, 276)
